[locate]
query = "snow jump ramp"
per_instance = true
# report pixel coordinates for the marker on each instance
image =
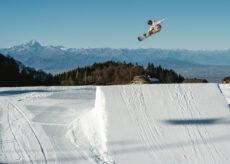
(165, 123)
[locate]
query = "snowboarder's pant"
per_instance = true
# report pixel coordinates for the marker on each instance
(151, 32)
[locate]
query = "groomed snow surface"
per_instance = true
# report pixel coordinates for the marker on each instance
(136, 124)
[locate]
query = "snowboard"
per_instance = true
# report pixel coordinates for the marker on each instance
(146, 35)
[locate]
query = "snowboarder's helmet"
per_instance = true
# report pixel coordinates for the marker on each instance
(150, 22)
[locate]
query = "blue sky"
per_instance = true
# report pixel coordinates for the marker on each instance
(190, 24)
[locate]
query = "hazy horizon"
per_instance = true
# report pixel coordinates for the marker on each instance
(173, 49)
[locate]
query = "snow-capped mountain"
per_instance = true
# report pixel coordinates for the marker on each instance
(56, 59)
(28, 45)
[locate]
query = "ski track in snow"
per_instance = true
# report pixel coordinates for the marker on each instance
(24, 135)
(144, 129)
(149, 108)
(15, 109)
(16, 124)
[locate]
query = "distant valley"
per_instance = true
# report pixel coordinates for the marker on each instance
(211, 65)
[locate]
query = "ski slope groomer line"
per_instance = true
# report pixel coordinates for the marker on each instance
(171, 123)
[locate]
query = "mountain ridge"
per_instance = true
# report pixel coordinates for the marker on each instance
(57, 59)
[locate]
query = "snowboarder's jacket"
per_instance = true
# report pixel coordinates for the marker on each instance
(156, 25)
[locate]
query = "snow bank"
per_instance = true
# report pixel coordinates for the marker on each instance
(170, 123)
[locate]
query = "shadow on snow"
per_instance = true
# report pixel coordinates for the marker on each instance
(205, 121)
(16, 92)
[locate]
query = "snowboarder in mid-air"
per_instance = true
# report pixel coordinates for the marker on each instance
(154, 28)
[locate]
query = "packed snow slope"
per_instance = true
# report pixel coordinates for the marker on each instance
(170, 123)
(173, 123)
(34, 122)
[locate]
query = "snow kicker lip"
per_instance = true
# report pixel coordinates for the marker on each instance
(93, 127)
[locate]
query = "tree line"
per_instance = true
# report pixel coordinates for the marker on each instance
(112, 73)
(14, 73)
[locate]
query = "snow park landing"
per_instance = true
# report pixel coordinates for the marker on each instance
(160, 123)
